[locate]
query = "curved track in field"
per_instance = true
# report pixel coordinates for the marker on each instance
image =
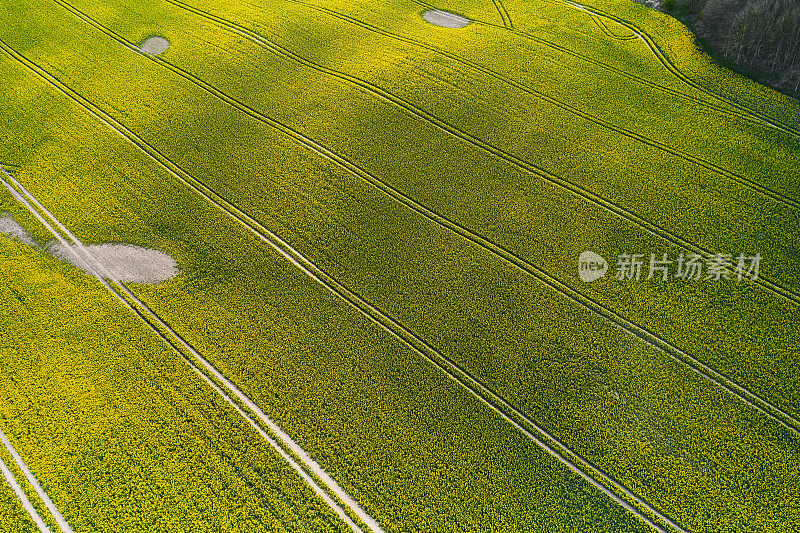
(410, 107)
(310, 472)
(549, 443)
(693, 363)
(605, 29)
(730, 112)
(483, 393)
(775, 287)
(501, 10)
(509, 158)
(674, 70)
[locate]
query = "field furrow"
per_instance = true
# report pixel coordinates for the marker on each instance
(322, 266)
(731, 385)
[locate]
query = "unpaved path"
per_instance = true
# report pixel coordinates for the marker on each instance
(155, 45)
(288, 448)
(126, 262)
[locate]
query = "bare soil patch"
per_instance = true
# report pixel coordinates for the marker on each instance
(125, 262)
(445, 19)
(12, 228)
(154, 45)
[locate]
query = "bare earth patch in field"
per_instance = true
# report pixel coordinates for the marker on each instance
(154, 45)
(12, 228)
(125, 262)
(445, 19)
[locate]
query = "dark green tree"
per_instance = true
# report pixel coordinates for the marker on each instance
(759, 38)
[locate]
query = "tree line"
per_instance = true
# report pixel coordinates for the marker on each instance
(759, 38)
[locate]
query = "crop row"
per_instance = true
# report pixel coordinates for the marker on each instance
(695, 68)
(389, 436)
(13, 514)
(120, 436)
(565, 263)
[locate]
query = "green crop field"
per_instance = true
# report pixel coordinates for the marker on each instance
(306, 265)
